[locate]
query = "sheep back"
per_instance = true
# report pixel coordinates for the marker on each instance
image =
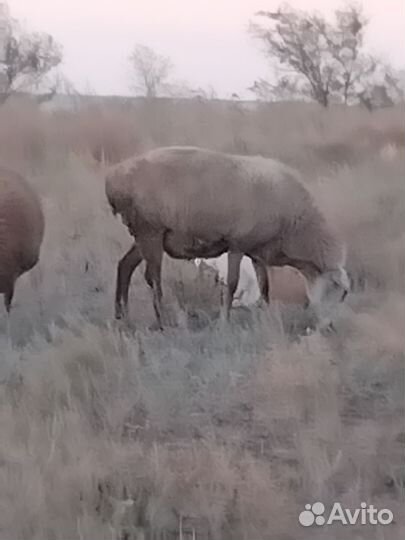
(249, 201)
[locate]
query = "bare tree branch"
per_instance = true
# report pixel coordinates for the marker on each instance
(318, 57)
(150, 70)
(28, 58)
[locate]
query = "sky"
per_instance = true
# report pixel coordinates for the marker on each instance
(207, 40)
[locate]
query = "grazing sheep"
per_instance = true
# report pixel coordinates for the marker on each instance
(197, 203)
(21, 231)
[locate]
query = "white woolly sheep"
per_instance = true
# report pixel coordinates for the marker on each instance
(285, 283)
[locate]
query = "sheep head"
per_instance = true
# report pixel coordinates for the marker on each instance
(326, 294)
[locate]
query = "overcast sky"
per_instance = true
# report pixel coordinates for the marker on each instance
(206, 39)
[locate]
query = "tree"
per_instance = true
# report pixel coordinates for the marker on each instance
(384, 89)
(150, 70)
(316, 58)
(27, 59)
(285, 89)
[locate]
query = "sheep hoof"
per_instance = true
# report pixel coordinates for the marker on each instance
(120, 313)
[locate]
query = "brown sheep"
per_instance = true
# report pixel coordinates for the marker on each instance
(288, 285)
(192, 202)
(21, 231)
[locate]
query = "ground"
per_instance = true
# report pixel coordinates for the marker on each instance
(205, 430)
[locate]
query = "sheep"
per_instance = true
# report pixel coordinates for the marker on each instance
(285, 283)
(288, 285)
(21, 231)
(195, 203)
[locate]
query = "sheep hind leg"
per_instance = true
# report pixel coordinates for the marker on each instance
(152, 252)
(234, 260)
(126, 268)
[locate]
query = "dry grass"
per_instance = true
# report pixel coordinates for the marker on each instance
(202, 431)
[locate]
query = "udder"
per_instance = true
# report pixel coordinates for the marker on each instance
(183, 246)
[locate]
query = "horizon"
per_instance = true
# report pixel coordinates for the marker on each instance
(200, 42)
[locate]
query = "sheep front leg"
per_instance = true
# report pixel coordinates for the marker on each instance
(126, 268)
(234, 260)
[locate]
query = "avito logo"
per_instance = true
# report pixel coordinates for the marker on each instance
(365, 515)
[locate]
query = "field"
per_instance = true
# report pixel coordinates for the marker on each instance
(206, 430)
